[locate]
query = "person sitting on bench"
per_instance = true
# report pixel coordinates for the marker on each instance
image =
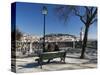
(56, 47)
(49, 49)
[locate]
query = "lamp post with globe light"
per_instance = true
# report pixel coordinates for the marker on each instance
(44, 12)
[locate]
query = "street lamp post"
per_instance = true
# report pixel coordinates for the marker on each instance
(44, 12)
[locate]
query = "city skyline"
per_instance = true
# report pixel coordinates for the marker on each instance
(29, 20)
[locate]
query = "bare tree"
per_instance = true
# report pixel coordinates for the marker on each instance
(19, 34)
(87, 15)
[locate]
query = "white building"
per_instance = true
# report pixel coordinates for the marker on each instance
(26, 42)
(60, 38)
(30, 38)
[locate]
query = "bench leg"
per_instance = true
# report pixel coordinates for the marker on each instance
(48, 61)
(62, 59)
(40, 63)
(41, 66)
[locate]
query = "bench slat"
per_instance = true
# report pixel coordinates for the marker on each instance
(52, 55)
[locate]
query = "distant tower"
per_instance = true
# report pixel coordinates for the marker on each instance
(81, 34)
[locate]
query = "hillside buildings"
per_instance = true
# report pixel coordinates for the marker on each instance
(50, 38)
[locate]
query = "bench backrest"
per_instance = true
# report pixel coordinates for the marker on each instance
(50, 55)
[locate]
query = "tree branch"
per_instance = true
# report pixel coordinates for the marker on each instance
(93, 21)
(81, 17)
(94, 14)
(91, 10)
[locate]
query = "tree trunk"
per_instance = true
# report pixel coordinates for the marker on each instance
(84, 42)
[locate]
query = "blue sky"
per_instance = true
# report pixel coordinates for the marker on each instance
(29, 19)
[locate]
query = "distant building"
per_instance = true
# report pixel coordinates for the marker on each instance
(60, 38)
(29, 43)
(30, 38)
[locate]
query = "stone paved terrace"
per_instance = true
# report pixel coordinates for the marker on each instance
(26, 65)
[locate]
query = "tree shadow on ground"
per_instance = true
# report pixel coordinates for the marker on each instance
(21, 61)
(29, 65)
(73, 57)
(68, 66)
(91, 61)
(35, 64)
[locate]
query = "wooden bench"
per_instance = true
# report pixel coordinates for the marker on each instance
(51, 55)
